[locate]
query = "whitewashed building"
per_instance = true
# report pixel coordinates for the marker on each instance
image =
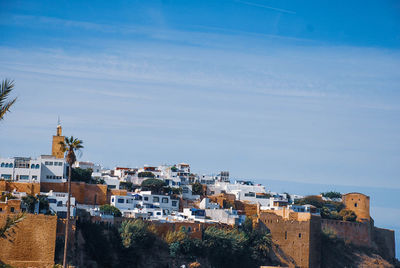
(144, 199)
(45, 168)
(58, 203)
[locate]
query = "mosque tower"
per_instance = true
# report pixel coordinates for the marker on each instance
(56, 149)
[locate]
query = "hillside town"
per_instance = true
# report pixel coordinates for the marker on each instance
(175, 197)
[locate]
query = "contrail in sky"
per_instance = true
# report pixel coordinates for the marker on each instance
(268, 7)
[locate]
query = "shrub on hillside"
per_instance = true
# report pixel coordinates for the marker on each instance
(332, 194)
(136, 234)
(154, 185)
(197, 189)
(110, 210)
(348, 215)
(146, 174)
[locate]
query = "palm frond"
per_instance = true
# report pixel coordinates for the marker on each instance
(6, 88)
(10, 223)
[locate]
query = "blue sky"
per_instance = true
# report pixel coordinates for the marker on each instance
(298, 92)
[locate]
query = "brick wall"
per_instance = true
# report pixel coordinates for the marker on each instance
(32, 242)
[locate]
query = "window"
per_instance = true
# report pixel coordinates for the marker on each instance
(158, 213)
(33, 166)
(129, 201)
(250, 194)
(165, 200)
(24, 177)
(12, 209)
(10, 165)
(120, 200)
(146, 198)
(285, 234)
(59, 204)
(2, 164)
(299, 235)
(6, 176)
(112, 199)
(37, 166)
(185, 190)
(52, 201)
(355, 204)
(174, 203)
(156, 199)
(6, 164)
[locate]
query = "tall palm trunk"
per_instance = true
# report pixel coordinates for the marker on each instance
(68, 217)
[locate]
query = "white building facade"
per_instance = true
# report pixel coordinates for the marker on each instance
(45, 168)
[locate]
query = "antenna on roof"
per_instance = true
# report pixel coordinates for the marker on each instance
(59, 121)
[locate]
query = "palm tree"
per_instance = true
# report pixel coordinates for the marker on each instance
(69, 146)
(5, 89)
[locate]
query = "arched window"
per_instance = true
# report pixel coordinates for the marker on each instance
(2, 164)
(6, 164)
(37, 166)
(10, 165)
(33, 166)
(355, 204)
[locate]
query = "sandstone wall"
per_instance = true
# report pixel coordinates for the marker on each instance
(385, 242)
(248, 209)
(11, 206)
(299, 240)
(32, 242)
(359, 203)
(357, 233)
(84, 193)
(27, 187)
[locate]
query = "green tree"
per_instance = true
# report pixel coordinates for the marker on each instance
(197, 189)
(348, 215)
(314, 200)
(6, 88)
(110, 210)
(43, 202)
(69, 146)
(146, 174)
(80, 174)
(153, 185)
(29, 201)
(332, 194)
(126, 185)
(247, 226)
(136, 234)
(226, 248)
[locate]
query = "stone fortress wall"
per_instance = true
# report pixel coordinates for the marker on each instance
(31, 243)
(298, 236)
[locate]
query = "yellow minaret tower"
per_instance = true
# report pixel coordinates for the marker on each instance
(56, 148)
